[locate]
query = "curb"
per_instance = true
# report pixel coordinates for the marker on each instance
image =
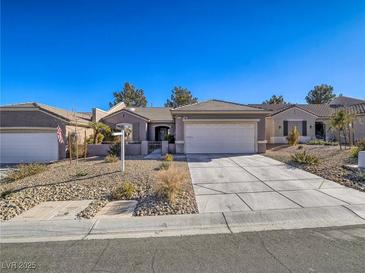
(180, 225)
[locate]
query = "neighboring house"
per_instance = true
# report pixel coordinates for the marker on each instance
(28, 132)
(312, 120)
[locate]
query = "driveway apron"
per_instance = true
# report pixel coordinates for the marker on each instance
(226, 183)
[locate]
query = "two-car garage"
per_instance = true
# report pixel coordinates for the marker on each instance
(27, 147)
(220, 136)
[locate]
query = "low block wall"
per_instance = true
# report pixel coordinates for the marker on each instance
(98, 150)
(132, 149)
(103, 149)
(172, 148)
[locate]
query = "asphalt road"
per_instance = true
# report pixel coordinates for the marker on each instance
(307, 250)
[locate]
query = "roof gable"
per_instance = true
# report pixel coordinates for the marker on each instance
(81, 117)
(150, 114)
(217, 106)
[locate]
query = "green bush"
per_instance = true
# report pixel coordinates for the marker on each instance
(293, 137)
(115, 149)
(322, 143)
(25, 170)
(168, 157)
(124, 192)
(111, 159)
(305, 158)
(81, 172)
(360, 146)
(171, 139)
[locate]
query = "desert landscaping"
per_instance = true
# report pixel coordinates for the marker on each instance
(100, 181)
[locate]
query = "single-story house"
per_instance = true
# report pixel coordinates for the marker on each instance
(28, 132)
(312, 120)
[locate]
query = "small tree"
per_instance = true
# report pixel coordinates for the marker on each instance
(100, 130)
(338, 122)
(293, 137)
(275, 100)
(131, 96)
(180, 97)
(321, 94)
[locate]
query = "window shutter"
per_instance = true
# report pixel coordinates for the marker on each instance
(285, 127)
(304, 128)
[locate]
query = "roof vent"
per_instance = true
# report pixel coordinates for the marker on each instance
(132, 109)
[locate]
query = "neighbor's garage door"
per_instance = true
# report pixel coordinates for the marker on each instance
(28, 147)
(220, 137)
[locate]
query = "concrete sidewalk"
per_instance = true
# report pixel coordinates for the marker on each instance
(17, 231)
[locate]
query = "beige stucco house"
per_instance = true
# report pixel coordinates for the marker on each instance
(212, 126)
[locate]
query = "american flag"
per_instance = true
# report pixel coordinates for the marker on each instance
(59, 135)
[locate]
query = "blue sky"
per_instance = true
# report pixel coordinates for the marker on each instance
(74, 54)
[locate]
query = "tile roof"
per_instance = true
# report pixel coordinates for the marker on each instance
(345, 101)
(153, 113)
(357, 109)
(216, 105)
(81, 117)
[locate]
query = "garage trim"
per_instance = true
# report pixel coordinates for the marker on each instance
(224, 121)
(27, 129)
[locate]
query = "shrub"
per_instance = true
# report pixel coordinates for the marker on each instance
(124, 192)
(293, 137)
(81, 172)
(360, 146)
(111, 159)
(300, 147)
(305, 158)
(171, 139)
(169, 182)
(165, 165)
(115, 149)
(168, 157)
(25, 170)
(321, 142)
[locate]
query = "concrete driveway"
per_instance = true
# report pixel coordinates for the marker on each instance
(224, 183)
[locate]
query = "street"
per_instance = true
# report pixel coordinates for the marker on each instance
(335, 249)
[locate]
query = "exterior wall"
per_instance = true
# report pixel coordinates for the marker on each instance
(34, 119)
(80, 132)
(98, 114)
(359, 127)
(139, 124)
(97, 150)
(277, 128)
(103, 149)
(152, 126)
(179, 126)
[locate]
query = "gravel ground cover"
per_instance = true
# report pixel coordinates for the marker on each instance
(96, 181)
(331, 166)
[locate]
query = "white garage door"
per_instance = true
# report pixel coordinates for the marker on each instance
(28, 147)
(220, 137)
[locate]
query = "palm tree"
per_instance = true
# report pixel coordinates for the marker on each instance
(100, 129)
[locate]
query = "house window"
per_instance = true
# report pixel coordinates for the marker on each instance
(297, 124)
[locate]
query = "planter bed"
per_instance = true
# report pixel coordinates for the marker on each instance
(59, 183)
(331, 166)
